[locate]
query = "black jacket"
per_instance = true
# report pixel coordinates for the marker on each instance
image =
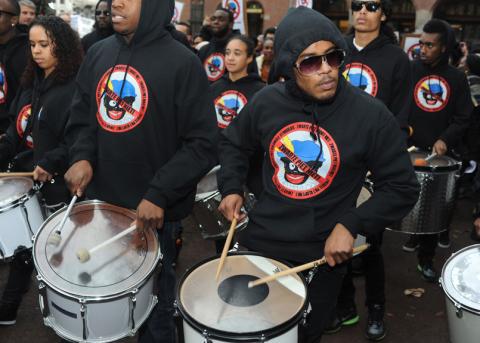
(382, 70)
(317, 156)
(149, 131)
(94, 37)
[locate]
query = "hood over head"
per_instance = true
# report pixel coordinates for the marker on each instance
(298, 30)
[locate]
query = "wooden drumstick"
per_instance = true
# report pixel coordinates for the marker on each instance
(301, 268)
(56, 237)
(83, 255)
(23, 174)
(233, 226)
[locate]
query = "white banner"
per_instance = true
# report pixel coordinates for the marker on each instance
(305, 3)
(238, 9)
(177, 13)
(81, 24)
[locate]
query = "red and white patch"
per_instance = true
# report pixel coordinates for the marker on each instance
(22, 121)
(362, 76)
(432, 93)
(304, 167)
(228, 106)
(215, 66)
(3, 85)
(121, 112)
(233, 6)
(414, 52)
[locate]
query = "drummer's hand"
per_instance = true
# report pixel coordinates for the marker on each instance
(40, 174)
(78, 177)
(339, 246)
(231, 207)
(440, 147)
(149, 216)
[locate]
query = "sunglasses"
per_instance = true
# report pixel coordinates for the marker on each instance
(312, 64)
(371, 6)
(105, 13)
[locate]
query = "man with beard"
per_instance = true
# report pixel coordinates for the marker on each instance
(317, 132)
(102, 27)
(143, 137)
(439, 118)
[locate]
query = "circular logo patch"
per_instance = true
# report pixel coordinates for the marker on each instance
(432, 93)
(304, 167)
(121, 105)
(22, 121)
(362, 76)
(234, 7)
(414, 52)
(3, 85)
(228, 106)
(215, 66)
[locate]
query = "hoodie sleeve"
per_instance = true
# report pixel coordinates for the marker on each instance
(197, 130)
(401, 101)
(395, 184)
(461, 118)
(80, 134)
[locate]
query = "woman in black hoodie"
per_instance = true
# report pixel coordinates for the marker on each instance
(41, 109)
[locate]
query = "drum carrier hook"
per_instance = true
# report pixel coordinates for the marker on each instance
(133, 305)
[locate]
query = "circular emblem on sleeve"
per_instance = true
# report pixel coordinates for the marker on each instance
(362, 76)
(3, 85)
(304, 166)
(215, 66)
(22, 121)
(228, 106)
(123, 102)
(432, 93)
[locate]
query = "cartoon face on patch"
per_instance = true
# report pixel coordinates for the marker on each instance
(3, 85)
(432, 93)
(233, 6)
(303, 167)
(228, 106)
(125, 93)
(215, 66)
(308, 152)
(362, 76)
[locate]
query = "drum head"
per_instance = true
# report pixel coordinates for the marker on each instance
(229, 306)
(13, 189)
(461, 277)
(115, 269)
(436, 163)
(208, 185)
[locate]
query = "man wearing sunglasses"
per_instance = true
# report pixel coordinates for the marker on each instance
(13, 55)
(440, 117)
(321, 136)
(102, 28)
(377, 65)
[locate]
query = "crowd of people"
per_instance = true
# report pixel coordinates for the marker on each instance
(139, 110)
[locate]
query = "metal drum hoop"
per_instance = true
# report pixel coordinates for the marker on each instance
(22, 200)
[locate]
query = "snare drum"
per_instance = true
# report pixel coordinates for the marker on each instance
(461, 283)
(109, 296)
(20, 214)
(228, 311)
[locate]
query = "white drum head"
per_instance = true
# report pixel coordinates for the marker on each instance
(113, 270)
(13, 189)
(230, 306)
(461, 277)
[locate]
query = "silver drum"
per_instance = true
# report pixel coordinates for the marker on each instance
(434, 208)
(111, 295)
(461, 283)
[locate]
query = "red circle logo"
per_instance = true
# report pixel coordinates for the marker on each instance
(362, 76)
(432, 93)
(215, 66)
(3, 85)
(22, 121)
(228, 106)
(123, 102)
(233, 6)
(304, 167)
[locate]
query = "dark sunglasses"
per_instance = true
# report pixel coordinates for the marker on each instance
(371, 6)
(9, 13)
(312, 64)
(105, 13)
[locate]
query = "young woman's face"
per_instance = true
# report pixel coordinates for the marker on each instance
(42, 49)
(236, 56)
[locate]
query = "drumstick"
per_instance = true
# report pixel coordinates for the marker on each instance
(56, 237)
(412, 148)
(233, 226)
(84, 255)
(25, 174)
(301, 268)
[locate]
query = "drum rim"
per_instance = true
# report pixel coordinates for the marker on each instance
(90, 298)
(454, 167)
(232, 336)
(21, 200)
(442, 280)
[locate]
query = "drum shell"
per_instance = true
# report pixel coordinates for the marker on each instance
(463, 325)
(434, 208)
(19, 223)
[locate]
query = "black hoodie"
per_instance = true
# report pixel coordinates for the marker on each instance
(310, 187)
(382, 69)
(442, 101)
(150, 133)
(13, 59)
